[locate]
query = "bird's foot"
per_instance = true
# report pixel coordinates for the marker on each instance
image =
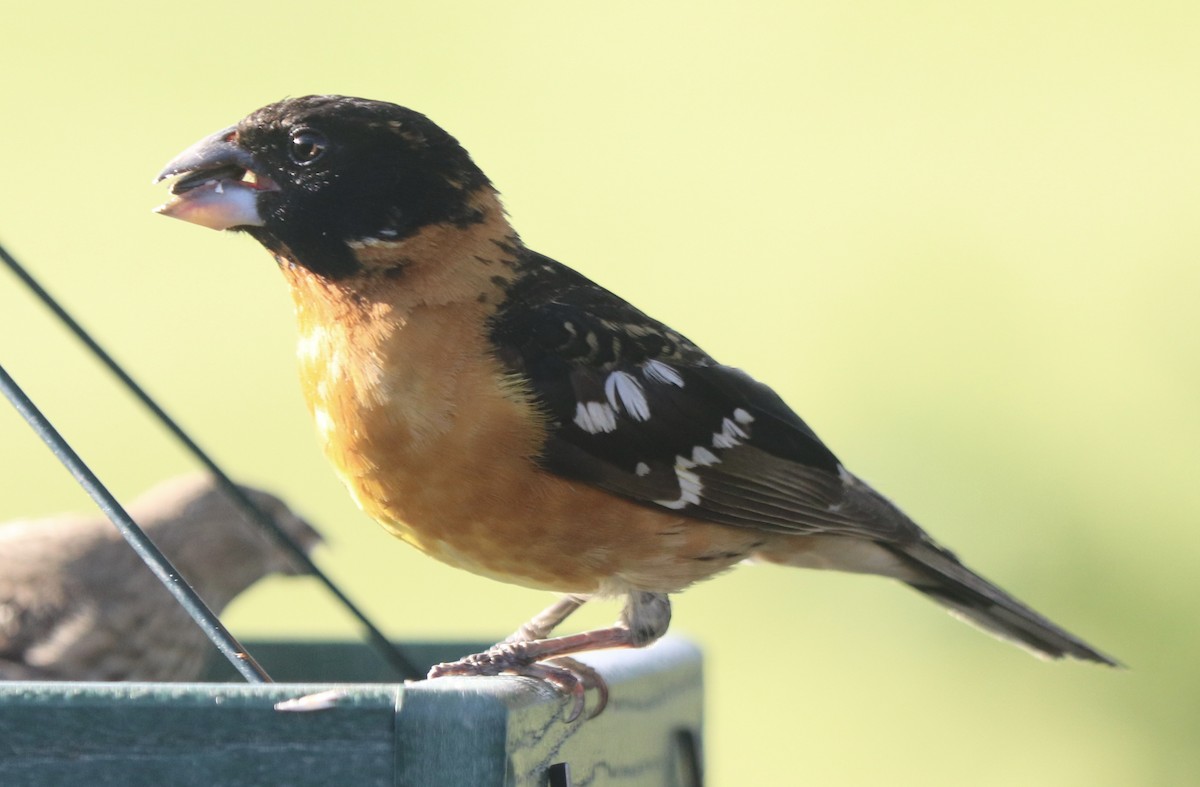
(529, 653)
(568, 676)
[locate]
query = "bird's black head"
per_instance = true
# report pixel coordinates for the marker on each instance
(310, 176)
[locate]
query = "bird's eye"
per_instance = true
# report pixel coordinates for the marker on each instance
(307, 146)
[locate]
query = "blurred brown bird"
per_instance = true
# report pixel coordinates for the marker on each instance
(506, 415)
(76, 603)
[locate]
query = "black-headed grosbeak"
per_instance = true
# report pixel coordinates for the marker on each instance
(506, 415)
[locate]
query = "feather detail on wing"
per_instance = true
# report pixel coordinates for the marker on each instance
(638, 410)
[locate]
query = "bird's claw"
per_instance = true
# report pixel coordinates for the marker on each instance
(565, 674)
(585, 678)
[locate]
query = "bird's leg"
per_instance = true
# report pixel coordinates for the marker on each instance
(548, 619)
(645, 618)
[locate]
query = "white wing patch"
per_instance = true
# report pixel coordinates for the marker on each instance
(595, 417)
(732, 434)
(659, 372)
(691, 488)
(624, 392)
(690, 485)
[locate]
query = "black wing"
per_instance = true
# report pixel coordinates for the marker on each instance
(637, 409)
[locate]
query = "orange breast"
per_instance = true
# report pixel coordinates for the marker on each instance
(439, 446)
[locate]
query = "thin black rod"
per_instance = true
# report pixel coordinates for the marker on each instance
(225, 642)
(398, 661)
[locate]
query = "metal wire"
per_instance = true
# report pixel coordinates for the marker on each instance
(230, 648)
(392, 654)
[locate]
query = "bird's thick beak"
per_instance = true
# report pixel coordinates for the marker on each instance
(219, 184)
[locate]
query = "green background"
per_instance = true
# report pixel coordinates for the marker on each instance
(959, 238)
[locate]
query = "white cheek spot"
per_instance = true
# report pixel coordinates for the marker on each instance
(642, 469)
(625, 392)
(659, 372)
(383, 239)
(690, 485)
(595, 417)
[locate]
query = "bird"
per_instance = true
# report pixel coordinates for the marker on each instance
(76, 603)
(505, 414)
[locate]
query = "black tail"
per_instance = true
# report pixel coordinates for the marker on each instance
(970, 596)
